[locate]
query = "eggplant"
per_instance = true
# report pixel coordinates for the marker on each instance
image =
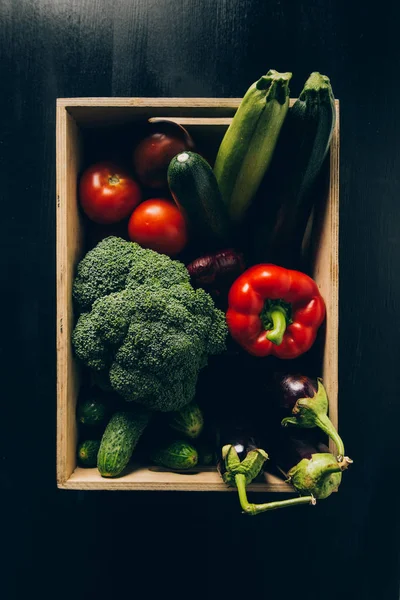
(241, 437)
(307, 464)
(319, 475)
(304, 403)
(241, 461)
(289, 448)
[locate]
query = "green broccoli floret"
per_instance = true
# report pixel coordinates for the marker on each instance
(144, 328)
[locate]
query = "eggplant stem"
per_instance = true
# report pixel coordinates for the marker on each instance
(324, 423)
(255, 509)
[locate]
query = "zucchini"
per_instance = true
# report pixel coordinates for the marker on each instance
(177, 455)
(119, 440)
(87, 453)
(195, 190)
(284, 205)
(248, 145)
(189, 420)
(93, 411)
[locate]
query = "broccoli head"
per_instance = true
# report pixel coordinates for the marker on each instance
(142, 326)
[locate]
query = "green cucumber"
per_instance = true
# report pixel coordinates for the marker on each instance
(178, 455)
(87, 453)
(195, 190)
(119, 440)
(248, 145)
(206, 452)
(189, 420)
(93, 411)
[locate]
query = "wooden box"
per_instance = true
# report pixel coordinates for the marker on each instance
(207, 119)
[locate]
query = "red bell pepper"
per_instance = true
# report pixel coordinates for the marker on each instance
(272, 310)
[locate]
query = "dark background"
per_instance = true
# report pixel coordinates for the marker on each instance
(61, 544)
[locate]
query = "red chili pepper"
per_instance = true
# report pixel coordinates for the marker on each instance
(275, 311)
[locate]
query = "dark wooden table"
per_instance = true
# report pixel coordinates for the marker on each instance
(89, 545)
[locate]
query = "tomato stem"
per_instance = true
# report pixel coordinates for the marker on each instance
(113, 180)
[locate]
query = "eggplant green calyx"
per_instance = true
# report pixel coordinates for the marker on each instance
(241, 473)
(313, 412)
(249, 467)
(319, 475)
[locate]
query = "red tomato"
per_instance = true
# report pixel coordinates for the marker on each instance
(158, 224)
(154, 152)
(107, 193)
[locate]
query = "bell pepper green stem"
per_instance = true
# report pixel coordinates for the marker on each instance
(278, 318)
(323, 422)
(255, 509)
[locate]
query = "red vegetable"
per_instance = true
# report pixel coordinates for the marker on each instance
(158, 224)
(163, 140)
(107, 193)
(274, 311)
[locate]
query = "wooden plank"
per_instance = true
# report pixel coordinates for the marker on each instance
(209, 103)
(326, 274)
(104, 112)
(156, 479)
(69, 245)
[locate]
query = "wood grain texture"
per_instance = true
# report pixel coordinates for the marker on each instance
(69, 250)
(156, 479)
(200, 48)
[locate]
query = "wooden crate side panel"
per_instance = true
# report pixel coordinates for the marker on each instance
(69, 244)
(157, 479)
(326, 274)
(94, 112)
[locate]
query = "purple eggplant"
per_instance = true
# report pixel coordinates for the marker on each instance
(304, 403)
(308, 465)
(241, 461)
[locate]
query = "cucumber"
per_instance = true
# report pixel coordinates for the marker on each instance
(207, 455)
(189, 420)
(248, 145)
(93, 411)
(87, 453)
(195, 190)
(119, 440)
(286, 197)
(177, 455)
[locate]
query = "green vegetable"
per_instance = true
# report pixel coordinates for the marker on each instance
(240, 473)
(319, 475)
(87, 453)
(248, 145)
(189, 420)
(285, 201)
(195, 190)
(178, 455)
(93, 411)
(207, 455)
(119, 440)
(145, 327)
